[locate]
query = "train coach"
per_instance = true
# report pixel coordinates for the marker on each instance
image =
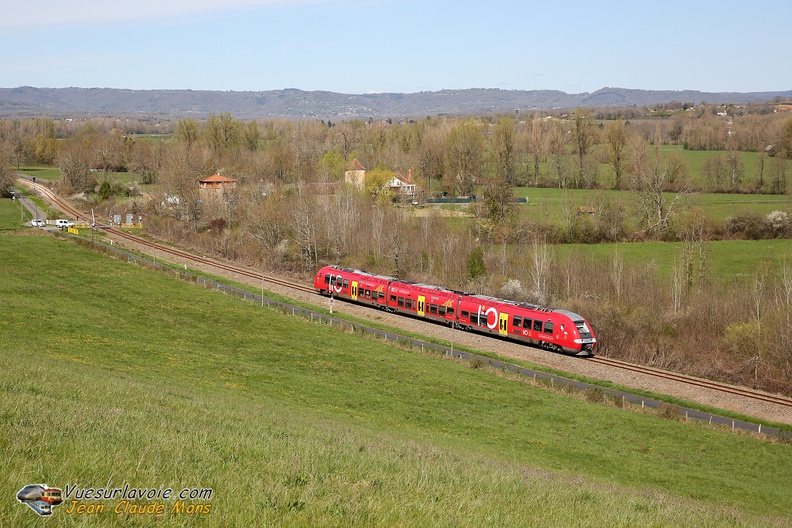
(551, 329)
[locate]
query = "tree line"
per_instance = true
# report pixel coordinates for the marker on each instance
(290, 211)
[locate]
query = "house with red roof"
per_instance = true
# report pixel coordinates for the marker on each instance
(401, 185)
(216, 182)
(355, 174)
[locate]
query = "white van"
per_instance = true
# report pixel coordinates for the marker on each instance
(64, 223)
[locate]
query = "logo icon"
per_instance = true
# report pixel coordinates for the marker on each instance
(40, 498)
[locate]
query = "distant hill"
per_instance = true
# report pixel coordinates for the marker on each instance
(27, 101)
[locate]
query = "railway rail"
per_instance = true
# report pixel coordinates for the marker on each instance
(184, 255)
(189, 257)
(690, 380)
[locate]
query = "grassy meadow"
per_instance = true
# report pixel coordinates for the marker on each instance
(112, 374)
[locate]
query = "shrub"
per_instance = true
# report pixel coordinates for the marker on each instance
(668, 411)
(751, 226)
(476, 363)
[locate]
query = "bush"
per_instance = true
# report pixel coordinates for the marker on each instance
(751, 226)
(668, 411)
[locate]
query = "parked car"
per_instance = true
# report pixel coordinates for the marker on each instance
(38, 222)
(64, 223)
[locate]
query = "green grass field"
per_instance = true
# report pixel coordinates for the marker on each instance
(52, 173)
(112, 374)
(548, 204)
(727, 260)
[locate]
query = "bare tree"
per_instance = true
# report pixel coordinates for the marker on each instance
(465, 157)
(183, 166)
(540, 269)
(650, 178)
(557, 149)
(75, 163)
(536, 145)
(503, 149)
(616, 141)
(585, 137)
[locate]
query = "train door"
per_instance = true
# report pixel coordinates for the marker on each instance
(503, 324)
(421, 303)
(354, 290)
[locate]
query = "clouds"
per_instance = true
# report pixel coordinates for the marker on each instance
(356, 46)
(35, 13)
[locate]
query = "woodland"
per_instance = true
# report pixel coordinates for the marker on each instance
(291, 210)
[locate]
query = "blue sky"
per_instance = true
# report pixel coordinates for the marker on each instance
(405, 46)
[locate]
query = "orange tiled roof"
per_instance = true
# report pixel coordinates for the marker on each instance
(355, 165)
(216, 178)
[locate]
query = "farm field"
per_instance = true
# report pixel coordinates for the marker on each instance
(547, 204)
(113, 374)
(52, 173)
(727, 260)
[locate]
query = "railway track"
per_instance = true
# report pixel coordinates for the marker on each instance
(184, 255)
(690, 380)
(189, 257)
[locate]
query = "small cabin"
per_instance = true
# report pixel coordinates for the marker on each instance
(216, 182)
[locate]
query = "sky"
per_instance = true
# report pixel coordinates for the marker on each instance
(396, 46)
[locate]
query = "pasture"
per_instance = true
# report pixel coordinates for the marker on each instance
(113, 374)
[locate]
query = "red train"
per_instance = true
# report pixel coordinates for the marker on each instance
(552, 329)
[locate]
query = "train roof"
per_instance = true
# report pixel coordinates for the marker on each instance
(571, 315)
(529, 306)
(429, 287)
(361, 272)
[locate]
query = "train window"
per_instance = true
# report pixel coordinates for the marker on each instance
(401, 302)
(442, 310)
(583, 328)
(538, 326)
(464, 314)
(368, 294)
(527, 323)
(393, 298)
(408, 303)
(339, 281)
(549, 327)
(381, 295)
(346, 283)
(517, 321)
(433, 309)
(327, 279)
(450, 310)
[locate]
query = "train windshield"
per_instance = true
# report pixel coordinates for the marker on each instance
(583, 328)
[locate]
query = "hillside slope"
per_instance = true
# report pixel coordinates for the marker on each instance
(29, 101)
(114, 374)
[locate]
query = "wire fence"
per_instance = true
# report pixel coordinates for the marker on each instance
(591, 391)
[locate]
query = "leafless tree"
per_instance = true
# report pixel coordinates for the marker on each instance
(503, 149)
(650, 178)
(557, 149)
(585, 137)
(464, 157)
(616, 141)
(536, 145)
